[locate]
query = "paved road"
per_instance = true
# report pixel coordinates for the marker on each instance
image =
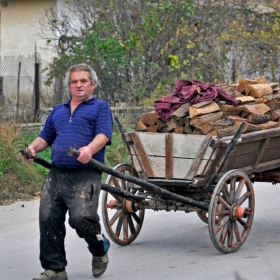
(170, 246)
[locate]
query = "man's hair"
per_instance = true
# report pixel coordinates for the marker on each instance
(84, 67)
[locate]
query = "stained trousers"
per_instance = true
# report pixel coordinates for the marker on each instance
(75, 191)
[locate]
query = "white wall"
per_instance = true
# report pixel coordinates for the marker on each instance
(19, 28)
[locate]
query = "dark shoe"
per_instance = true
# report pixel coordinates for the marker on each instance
(99, 265)
(52, 275)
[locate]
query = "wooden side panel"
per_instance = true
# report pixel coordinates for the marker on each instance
(170, 156)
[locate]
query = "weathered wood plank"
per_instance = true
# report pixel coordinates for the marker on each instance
(168, 156)
(142, 154)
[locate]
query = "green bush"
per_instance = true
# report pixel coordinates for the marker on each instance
(22, 181)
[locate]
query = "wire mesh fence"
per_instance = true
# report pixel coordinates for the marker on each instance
(24, 88)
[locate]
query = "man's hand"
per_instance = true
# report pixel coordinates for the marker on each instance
(28, 159)
(85, 154)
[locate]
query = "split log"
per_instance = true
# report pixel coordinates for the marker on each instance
(237, 118)
(172, 124)
(161, 124)
(261, 80)
(274, 85)
(266, 98)
(246, 99)
(258, 109)
(198, 121)
(243, 82)
(181, 112)
(273, 104)
(226, 131)
(258, 119)
(248, 127)
(222, 123)
(150, 118)
(230, 109)
(275, 115)
(258, 90)
(197, 132)
(268, 125)
(179, 130)
(187, 127)
(209, 108)
(167, 130)
(140, 126)
(152, 128)
(205, 128)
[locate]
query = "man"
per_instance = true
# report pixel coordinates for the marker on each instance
(84, 123)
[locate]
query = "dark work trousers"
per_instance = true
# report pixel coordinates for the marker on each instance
(75, 191)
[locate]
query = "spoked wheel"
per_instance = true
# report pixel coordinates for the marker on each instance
(234, 191)
(203, 215)
(122, 218)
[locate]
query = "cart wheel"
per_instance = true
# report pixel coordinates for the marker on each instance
(122, 218)
(234, 191)
(203, 215)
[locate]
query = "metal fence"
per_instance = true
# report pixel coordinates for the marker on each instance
(25, 87)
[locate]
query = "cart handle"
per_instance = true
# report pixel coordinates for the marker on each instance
(144, 184)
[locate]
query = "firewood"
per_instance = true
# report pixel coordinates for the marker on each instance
(274, 85)
(237, 118)
(212, 133)
(275, 115)
(246, 99)
(202, 104)
(198, 121)
(222, 123)
(172, 124)
(261, 80)
(273, 104)
(152, 128)
(266, 98)
(205, 128)
(226, 131)
(167, 130)
(187, 127)
(150, 118)
(258, 90)
(181, 112)
(140, 126)
(179, 130)
(268, 125)
(248, 127)
(161, 124)
(197, 132)
(258, 119)
(243, 82)
(230, 109)
(209, 108)
(258, 109)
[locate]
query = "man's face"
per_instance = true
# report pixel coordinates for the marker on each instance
(80, 86)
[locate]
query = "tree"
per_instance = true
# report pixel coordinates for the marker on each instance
(140, 48)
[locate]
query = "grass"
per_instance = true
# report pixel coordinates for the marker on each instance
(21, 181)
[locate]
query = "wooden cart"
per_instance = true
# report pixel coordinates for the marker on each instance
(181, 172)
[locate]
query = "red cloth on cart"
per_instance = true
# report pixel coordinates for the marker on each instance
(192, 92)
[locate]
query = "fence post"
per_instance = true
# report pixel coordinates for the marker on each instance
(36, 91)
(2, 97)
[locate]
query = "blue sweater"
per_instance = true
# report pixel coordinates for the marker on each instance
(63, 130)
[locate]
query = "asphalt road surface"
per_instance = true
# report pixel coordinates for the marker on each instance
(170, 246)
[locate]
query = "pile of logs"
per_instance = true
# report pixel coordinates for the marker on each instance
(259, 108)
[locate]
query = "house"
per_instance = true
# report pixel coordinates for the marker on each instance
(19, 28)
